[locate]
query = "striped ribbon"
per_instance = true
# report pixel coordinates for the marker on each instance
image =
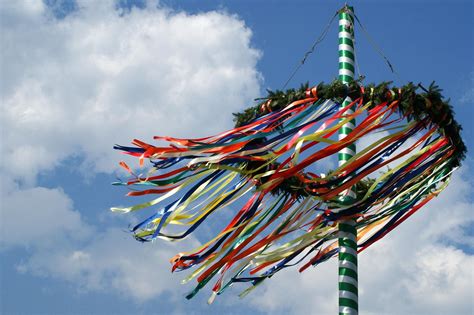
(348, 294)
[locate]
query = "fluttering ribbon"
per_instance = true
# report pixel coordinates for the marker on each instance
(288, 215)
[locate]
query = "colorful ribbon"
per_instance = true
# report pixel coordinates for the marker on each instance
(290, 214)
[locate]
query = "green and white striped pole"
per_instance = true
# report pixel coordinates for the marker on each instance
(348, 287)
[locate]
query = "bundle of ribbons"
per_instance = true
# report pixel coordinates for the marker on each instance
(260, 178)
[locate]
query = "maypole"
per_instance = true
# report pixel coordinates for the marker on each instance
(287, 214)
(347, 233)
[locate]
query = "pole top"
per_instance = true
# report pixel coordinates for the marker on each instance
(346, 9)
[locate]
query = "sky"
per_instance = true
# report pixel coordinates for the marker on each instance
(76, 77)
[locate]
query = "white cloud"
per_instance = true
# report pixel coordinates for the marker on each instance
(289, 292)
(443, 281)
(77, 86)
(37, 217)
(60, 244)
(113, 260)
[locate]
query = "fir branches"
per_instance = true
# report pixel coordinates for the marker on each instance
(427, 104)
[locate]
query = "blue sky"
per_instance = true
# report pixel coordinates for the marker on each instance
(78, 77)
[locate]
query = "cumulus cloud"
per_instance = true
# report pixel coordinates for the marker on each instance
(113, 260)
(62, 245)
(38, 216)
(75, 86)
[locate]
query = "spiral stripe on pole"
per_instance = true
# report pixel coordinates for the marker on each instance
(348, 283)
